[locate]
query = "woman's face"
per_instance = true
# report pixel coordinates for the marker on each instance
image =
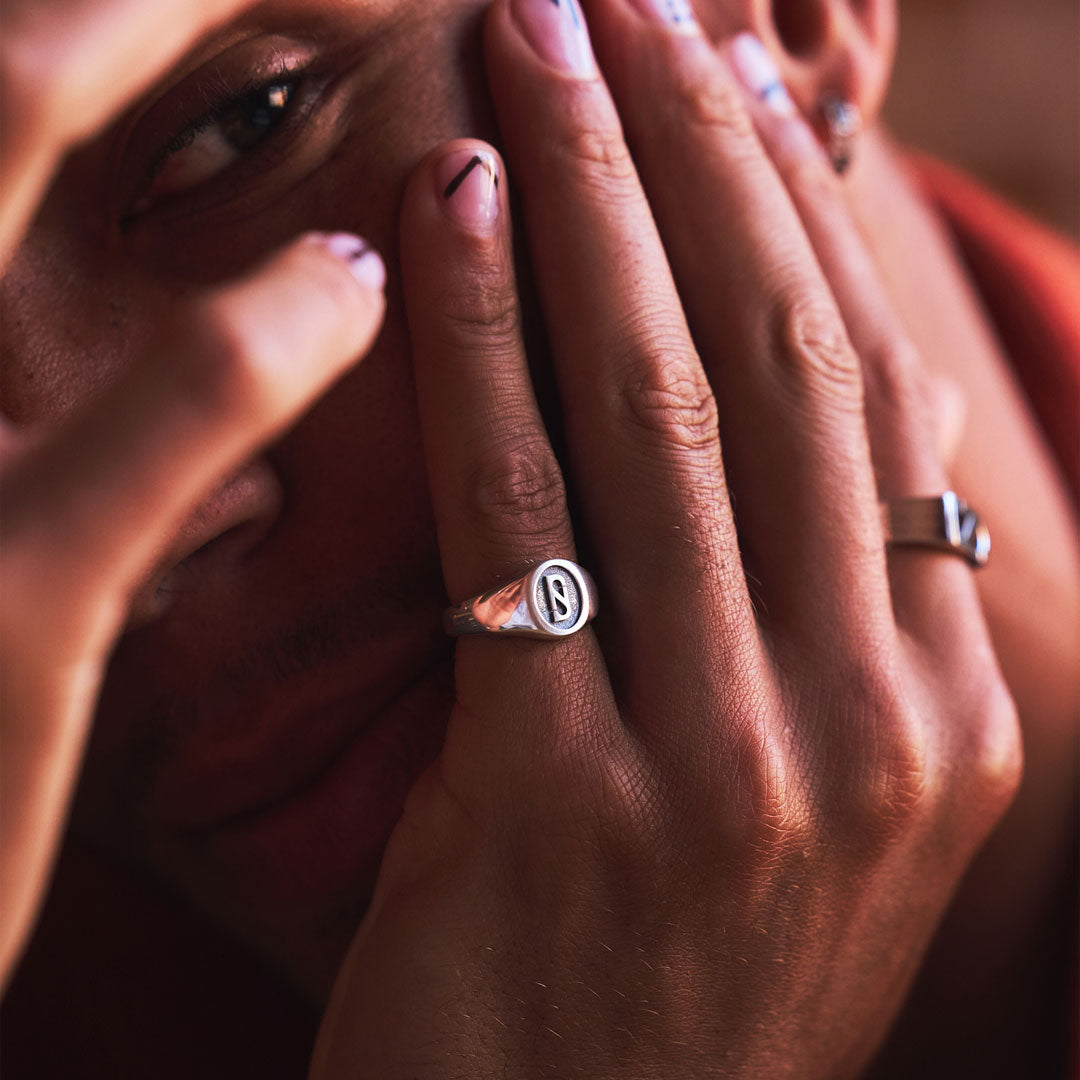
(285, 679)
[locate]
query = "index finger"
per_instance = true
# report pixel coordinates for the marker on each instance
(67, 67)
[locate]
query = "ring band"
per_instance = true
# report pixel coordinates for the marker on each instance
(555, 599)
(943, 522)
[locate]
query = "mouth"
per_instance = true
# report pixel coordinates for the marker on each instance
(291, 812)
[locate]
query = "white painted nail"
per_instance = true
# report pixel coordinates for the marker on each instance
(760, 75)
(361, 258)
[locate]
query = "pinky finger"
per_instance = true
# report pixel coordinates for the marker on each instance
(904, 410)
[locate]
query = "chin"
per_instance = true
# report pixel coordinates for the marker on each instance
(272, 817)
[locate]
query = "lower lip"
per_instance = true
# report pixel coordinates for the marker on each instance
(318, 851)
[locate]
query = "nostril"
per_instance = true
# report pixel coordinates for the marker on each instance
(801, 25)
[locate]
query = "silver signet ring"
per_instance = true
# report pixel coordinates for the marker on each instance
(553, 600)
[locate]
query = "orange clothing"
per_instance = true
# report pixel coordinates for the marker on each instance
(1029, 280)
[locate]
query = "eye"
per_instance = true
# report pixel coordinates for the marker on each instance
(220, 138)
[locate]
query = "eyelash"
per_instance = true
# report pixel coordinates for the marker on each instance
(218, 97)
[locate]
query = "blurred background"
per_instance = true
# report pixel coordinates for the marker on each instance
(994, 87)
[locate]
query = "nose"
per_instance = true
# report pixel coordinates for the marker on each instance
(216, 536)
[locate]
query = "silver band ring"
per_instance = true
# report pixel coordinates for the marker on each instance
(943, 522)
(555, 599)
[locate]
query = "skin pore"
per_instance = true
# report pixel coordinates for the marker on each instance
(269, 628)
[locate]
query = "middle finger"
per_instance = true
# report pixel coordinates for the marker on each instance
(776, 349)
(639, 412)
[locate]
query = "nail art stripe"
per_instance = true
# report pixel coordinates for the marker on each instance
(774, 94)
(681, 12)
(477, 159)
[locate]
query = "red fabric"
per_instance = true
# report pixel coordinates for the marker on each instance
(1029, 280)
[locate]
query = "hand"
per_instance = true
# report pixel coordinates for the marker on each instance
(90, 505)
(714, 837)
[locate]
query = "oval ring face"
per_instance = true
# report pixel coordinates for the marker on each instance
(559, 597)
(553, 600)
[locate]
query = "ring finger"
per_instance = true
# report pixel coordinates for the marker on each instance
(496, 486)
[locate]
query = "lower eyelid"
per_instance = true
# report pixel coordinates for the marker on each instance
(242, 178)
(302, 104)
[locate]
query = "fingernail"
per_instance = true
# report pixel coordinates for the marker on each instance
(760, 75)
(675, 13)
(361, 258)
(467, 182)
(556, 30)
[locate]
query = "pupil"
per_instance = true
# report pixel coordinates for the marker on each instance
(252, 119)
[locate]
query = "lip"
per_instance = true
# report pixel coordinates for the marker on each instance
(319, 849)
(286, 739)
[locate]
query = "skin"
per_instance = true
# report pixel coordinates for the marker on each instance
(730, 754)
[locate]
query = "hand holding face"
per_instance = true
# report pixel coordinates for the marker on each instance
(88, 507)
(713, 837)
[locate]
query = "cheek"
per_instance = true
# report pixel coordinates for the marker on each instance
(69, 326)
(392, 123)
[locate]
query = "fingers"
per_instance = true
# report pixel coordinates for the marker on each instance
(911, 420)
(496, 486)
(786, 378)
(640, 416)
(69, 66)
(86, 509)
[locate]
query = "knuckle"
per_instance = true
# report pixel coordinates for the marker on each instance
(897, 382)
(519, 492)
(483, 318)
(814, 356)
(668, 400)
(889, 787)
(763, 800)
(995, 763)
(705, 101)
(595, 154)
(898, 787)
